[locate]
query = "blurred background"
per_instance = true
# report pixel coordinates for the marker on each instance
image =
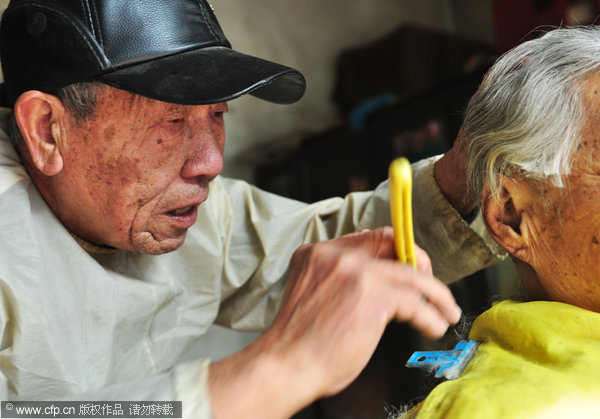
(350, 51)
(384, 78)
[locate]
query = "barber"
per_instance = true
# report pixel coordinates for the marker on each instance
(115, 258)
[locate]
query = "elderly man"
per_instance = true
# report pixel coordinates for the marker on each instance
(115, 258)
(533, 161)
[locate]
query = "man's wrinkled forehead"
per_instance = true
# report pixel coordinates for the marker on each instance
(130, 104)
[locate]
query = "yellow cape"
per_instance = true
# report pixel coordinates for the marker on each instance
(536, 359)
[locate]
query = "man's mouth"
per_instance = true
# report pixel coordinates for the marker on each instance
(181, 211)
(183, 217)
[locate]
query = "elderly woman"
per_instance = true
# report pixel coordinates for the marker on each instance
(533, 132)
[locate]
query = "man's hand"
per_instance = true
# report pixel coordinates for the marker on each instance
(341, 294)
(450, 172)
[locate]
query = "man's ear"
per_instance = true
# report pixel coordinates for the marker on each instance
(504, 216)
(38, 116)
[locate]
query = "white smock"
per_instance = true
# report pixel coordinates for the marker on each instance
(84, 323)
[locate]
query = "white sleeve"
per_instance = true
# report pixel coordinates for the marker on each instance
(186, 383)
(266, 229)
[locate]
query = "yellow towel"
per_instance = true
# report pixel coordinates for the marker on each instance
(536, 359)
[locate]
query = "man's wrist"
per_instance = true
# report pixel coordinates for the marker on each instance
(257, 383)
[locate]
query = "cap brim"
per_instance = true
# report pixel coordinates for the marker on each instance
(208, 75)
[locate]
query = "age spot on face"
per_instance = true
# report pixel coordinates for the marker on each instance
(109, 132)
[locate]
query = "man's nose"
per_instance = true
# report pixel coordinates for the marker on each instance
(205, 130)
(206, 159)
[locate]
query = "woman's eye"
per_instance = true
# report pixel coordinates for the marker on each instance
(176, 120)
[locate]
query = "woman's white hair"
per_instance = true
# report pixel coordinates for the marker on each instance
(527, 115)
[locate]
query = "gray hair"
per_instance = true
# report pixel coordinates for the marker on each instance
(80, 99)
(528, 113)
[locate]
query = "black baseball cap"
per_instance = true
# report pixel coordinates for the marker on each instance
(169, 50)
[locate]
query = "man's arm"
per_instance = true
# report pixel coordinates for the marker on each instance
(264, 230)
(340, 296)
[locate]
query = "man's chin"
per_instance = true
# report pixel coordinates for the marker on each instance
(147, 243)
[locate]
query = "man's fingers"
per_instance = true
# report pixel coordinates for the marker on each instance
(375, 243)
(427, 319)
(439, 296)
(419, 299)
(379, 243)
(423, 261)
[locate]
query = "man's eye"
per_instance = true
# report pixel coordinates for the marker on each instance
(219, 114)
(176, 120)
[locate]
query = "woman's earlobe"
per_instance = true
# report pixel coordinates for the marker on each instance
(37, 115)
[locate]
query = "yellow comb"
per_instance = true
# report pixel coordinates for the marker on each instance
(401, 210)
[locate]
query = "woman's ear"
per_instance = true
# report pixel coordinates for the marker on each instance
(38, 115)
(504, 216)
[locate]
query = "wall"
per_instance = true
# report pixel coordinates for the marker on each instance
(309, 35)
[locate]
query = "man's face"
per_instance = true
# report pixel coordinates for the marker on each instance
(136, 171)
